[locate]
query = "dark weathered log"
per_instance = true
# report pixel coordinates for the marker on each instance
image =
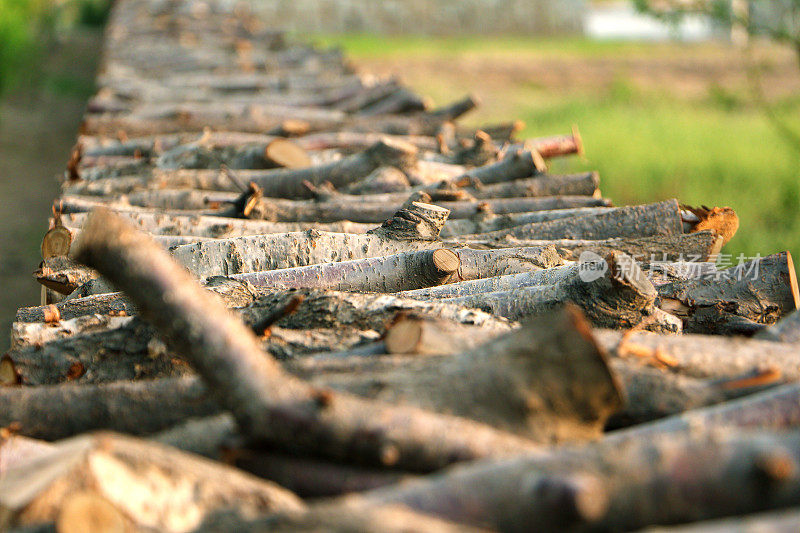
(106, 481)
(787, 329)
(217, 437)
(62, 275)
(740, 299)
(269, 405)
(58, 411)
(702, 246)
(662, 218)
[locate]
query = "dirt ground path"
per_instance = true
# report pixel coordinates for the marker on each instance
(37, 129)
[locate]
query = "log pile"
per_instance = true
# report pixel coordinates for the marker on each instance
(281, 294)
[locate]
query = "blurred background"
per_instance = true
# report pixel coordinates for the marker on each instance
(698, 100)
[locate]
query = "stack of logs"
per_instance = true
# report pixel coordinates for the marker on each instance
(329, 288)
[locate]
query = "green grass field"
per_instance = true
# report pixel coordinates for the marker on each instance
(686, 128)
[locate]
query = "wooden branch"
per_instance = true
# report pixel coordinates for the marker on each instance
(269, 405)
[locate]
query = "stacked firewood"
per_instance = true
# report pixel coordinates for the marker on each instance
(272, 280)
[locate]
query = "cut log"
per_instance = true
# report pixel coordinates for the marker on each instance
(381, 274)
(486, 222)
(58, 411)
(662, 218)
(516, 165)
(107, 481)
(583, 184)
(125, 353)
(702, 246)
(16, 450)
(269, 405)
(740, 299)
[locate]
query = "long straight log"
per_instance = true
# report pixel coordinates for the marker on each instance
(269, 405)
(276, 210)
(25, 334)
(662, 218)
(658, 274)
(403, 271)
(612, 485)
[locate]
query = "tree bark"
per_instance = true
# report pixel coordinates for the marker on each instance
(269, 405)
